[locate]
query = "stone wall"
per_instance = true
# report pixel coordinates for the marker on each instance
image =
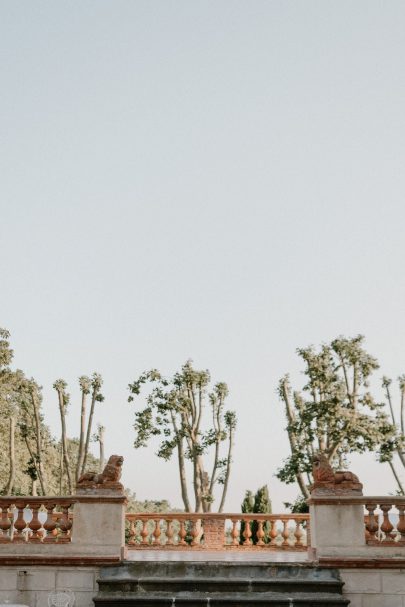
(30, 585)
(374, 587)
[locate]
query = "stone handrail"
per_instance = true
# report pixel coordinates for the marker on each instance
(217, 531)
(385, 521)
(35, 519)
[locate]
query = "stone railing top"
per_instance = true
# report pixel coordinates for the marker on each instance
(222, 516)
(356, 499)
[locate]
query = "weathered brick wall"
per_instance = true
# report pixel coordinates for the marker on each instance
(214, 534)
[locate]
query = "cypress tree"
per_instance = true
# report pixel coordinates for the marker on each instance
(260, 503)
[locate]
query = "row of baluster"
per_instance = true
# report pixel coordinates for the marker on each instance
(161, 531)
(15, 528)
(384, 531)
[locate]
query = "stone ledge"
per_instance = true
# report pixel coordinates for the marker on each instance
(58, 560)
(361, 563)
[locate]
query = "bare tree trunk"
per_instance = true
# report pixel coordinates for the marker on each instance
(216, 421)
(101, 444)
(88, 435)
(197, 486)
(182, 465)
(394, 472)
(11, 476)
(228, 470)
(38, 438)
(292, 439)
(64, 440)
(80, 456)
(34, 490)
(34, 462)
(61, 471)
(398, 449)
(183, 479)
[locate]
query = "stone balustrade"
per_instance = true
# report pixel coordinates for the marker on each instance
(218, 531)
(365, 527)
(35, 520)
(385, 521)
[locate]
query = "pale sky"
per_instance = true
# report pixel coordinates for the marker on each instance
(215, 180)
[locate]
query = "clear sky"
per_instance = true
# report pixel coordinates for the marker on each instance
(215, 180)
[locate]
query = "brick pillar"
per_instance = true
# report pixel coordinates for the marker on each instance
(214, 533)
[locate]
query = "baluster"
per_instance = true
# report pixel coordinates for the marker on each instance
(386, 526)
(195, 532)
(260, 534)
(308, 530)
(34, 524)
(298, 533)
(247, 533)
(144, 532)
(19, 524)
(50, 523)
(235, 532)
(273, 533)
(401, 521)
(65, 524)
(285, 533)
(132, 533)
(182, 533)
(367, 533)
(169, 532)
(372, 521)
(5, 523)
(156, 532)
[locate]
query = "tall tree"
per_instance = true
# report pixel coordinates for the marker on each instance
(96, 396)
(174, 411)
(395, 446)
(8, 399)
(31, 459)
(85, 387)
(32, 428)
(100, 440)
(63, 399)
(335, 413)
(259, 503)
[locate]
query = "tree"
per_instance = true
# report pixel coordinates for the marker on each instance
(335, 414)
(174, 411)
(85, 386)
(63, 399)
(259, 503)
(395, 445)
(32, 461)
(96, 396)
(100, 440)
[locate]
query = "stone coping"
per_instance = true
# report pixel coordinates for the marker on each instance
(331, 500)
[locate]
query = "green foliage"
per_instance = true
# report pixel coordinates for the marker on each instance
(259, 503)
(392, 451)
(173, 412)
(335, 413)
(34, 465)
(299, 506)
